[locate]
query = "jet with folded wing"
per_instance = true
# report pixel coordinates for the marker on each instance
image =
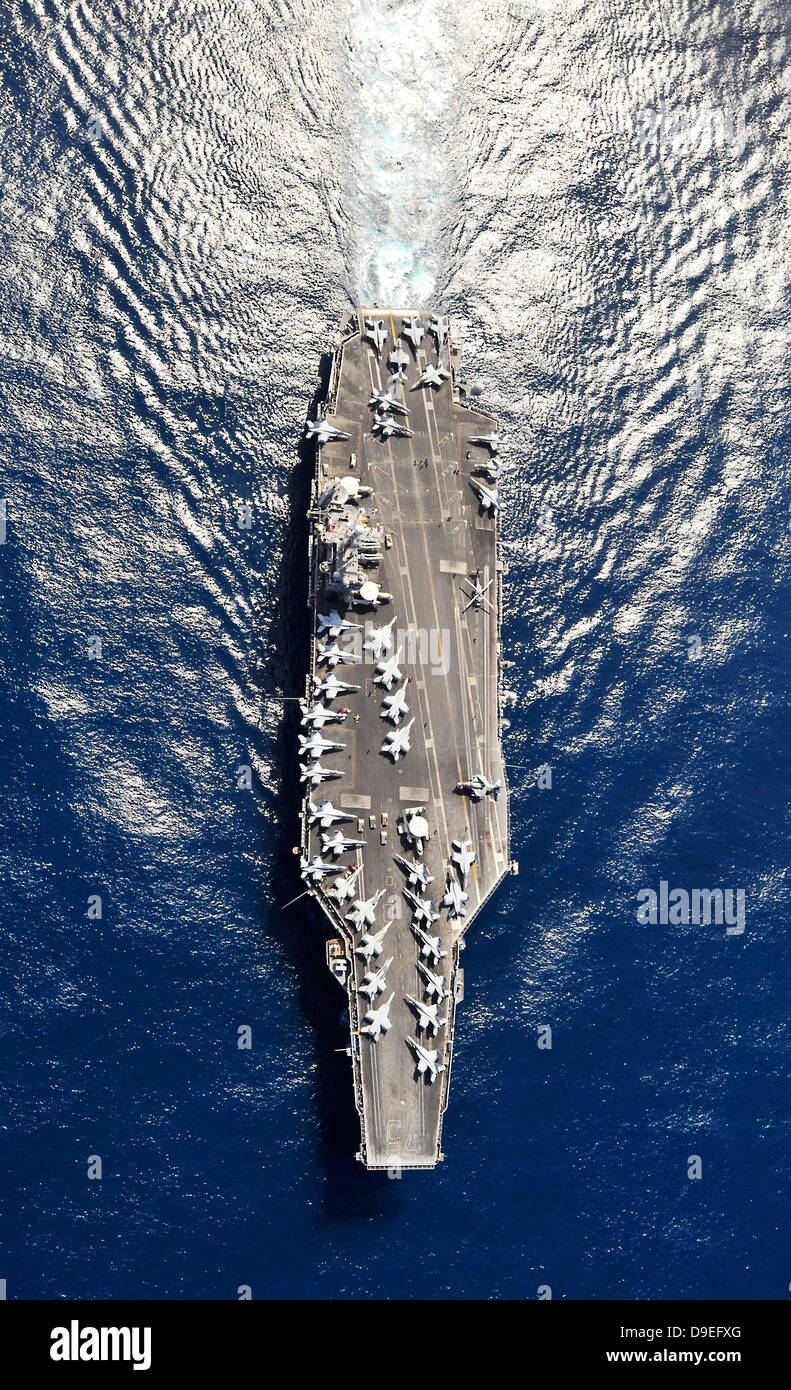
(337, 843)
(487, 496)
(435, 984)
(395, 706)
(326, 814)
(334, 656)
(430, 946)
(379, 640)
(428, 1020)
(331, 688)
(374, 982)
(388, 671)
(371, 944)
(427, 1060)
(454, 899)
(479, 787)
(377, 1021)
(417, 874)
(315, 773)
(423, 909)
(464, 856)
(333, 624)
(314, 870)
(317, 715)
(343, 888)
(323, 432)
(364, 910)
(491, 441)
(397, 742)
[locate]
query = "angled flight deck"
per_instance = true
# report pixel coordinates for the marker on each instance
(405, 830)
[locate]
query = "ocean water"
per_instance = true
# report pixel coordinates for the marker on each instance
(192, 196)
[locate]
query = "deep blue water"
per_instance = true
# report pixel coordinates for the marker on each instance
(192, 196)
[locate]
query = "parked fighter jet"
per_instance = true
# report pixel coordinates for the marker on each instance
(362, 914)
(429, 945)
(454, 898)
(477, 599)
(343, 888)
(493, 469)
(437, 325)
(376, 331)
(371, 944)
(479, 787)
(417, 874)
(326, 814)
(374, 982)
(488, 496)
(423, 909)
(388, 671)
(334, 656)
(464, 855)
(395, 706)
(397, 742)
(317, 744)
(399, 361)
(431, 376)
(323, 432)
(487, 441)
(315, 773)
(379, 640)
(337, 843)
(427, 1060)
(377, 1021)
(384, 401)
(384, 426)
(435, 984)
(333, 623)
(318, 715)
(411, 330)
(314, 870)
(332, 687)
(428, 1020)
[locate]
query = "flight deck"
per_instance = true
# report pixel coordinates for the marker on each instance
(405, 827)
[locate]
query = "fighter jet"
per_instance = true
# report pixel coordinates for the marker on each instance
(429, 945)
(417, 874)
(333, 624)
(363, 912)
(376, 331)
(318, 715)
(435, 984)
(487, 496)
(399, 361)
(385, 401)
(431, 376)
(397, 742)
(371, 944)
(326, 814)
(464, 855)
(437, 325)
(427, 1060)
(377, 1021)
(334, 655)
(493, 469)
(428, 1020)
(454, 898)
(313, 870)
(332, 687)
(477, 599)
(322, 431)
(423, 909)
(388, 671)
(411, 330)
(395, 706)
(374, 982)
(384, 426)
(487, 441)
(315, 773)
(343, 888)
(479, 787)
(337, 843)
(317, 744)
(379, 640)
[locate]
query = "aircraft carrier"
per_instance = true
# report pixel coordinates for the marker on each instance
(405, 829)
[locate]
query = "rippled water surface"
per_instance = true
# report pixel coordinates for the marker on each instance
(192, 196)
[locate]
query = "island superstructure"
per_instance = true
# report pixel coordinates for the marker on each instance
(405, 829)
